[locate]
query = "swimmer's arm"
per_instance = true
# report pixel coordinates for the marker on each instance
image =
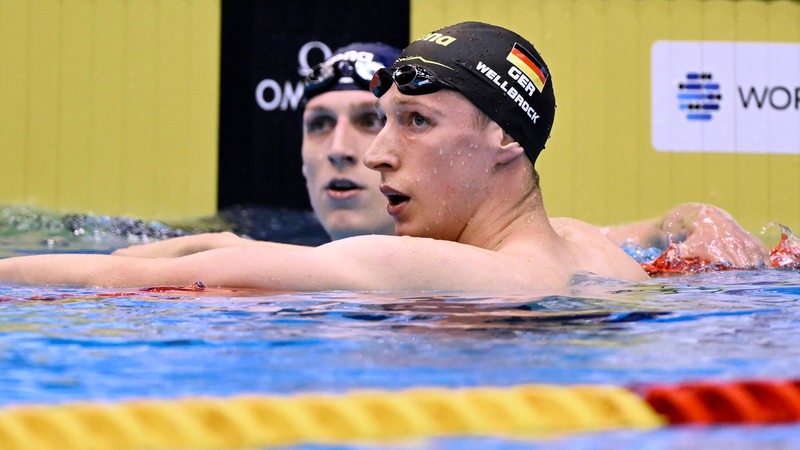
(372, 262)
(221, 267)
(79, 270)
(647, 233)
(701, 230)
(358, 263)
(674, 226)
(378, 262)
(187, 245)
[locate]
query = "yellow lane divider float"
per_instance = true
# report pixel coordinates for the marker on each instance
(525, 411)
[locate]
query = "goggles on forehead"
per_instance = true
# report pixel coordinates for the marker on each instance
(325, 75)
(410, 80)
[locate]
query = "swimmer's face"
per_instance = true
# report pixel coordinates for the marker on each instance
(338, 127)
(434, 161)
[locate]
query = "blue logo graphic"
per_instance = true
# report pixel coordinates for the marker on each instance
(699, 96)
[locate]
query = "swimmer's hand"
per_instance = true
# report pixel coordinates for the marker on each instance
(184, 245)
(712, 235)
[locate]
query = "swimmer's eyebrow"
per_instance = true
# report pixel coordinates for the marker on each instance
(415, 101)
(367, 104)
(319, 109)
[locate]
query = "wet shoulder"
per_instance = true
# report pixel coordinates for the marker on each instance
(592, 251)
(576, 230)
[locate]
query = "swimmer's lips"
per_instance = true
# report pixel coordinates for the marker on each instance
(342, 188)
(397, 200)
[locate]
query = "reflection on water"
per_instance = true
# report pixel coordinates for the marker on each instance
(94, 344)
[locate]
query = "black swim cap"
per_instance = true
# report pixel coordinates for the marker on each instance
(349, 68)
(499, 71)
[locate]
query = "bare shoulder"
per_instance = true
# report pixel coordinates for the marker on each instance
(593, 251)
(574, 229)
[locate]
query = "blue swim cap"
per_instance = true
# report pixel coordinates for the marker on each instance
(349, 68)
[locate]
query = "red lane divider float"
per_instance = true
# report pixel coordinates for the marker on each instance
(742, 402)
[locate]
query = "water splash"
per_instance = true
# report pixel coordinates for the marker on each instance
(639, 252)
(672, 263)
(784, 255)
(787, 253)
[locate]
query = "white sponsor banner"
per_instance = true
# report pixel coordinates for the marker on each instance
(738, 97)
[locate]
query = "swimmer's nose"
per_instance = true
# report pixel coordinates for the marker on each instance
(342, 155)
(342, 160)
(377, 157)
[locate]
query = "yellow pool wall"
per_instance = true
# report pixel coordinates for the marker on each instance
(112, 106)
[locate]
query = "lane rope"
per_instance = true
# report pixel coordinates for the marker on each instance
(364, 416)
(361, 416)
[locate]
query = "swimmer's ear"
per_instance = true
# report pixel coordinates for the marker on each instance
(509, 149)
(506, 147)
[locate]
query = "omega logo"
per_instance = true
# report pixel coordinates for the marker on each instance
(271, 95)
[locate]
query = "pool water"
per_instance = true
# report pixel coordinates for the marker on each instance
(76, 344)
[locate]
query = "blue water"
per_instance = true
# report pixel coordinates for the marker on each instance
(716, 326)
(66, 344)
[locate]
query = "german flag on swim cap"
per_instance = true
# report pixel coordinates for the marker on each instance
(528, 64)
(497, 70)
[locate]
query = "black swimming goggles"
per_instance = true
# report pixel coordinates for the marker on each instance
(410, 80)
(325, 75)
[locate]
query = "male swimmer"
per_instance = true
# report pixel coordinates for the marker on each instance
(456, 157)
(339, 123)
(468, 109)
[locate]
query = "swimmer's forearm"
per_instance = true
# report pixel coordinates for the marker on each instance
(39, 269)
(76, 269)
(188, 245)
(220, 267)
(184, 245)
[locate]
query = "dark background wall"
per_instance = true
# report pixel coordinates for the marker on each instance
(260, 112)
